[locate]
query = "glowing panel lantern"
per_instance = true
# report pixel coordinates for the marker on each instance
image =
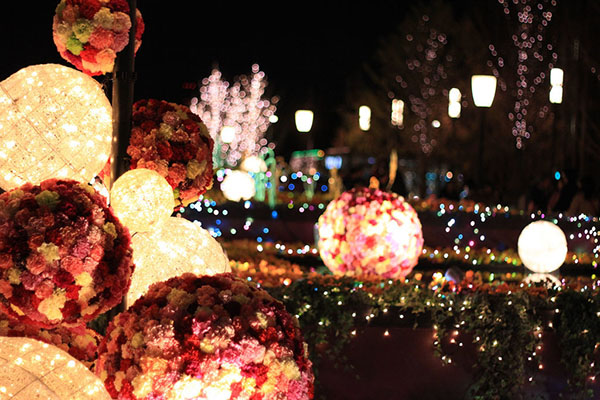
(238, 185)
(364, 118)
(175, 247)
(370, 232)
(304, 120)
(55, 122)
(542, 247)
(254, 164)
(484, 90)
(30, 369)
(142, 199)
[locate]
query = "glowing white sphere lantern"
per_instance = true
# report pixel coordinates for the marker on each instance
(30, 369)
(177, 246)
(542, 247)
(238, 185)
(142, 199)
(55, 122)
(254, 164)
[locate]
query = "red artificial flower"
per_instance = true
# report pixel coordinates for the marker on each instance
(119, 5)
(89, 8)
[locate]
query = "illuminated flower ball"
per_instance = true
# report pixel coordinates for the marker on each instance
(90, 33)
(177, 246)
(169, 139)
(81, 342)
(35, 370)
(210, 337)
(55, 122)
(64, 256)
(542, 247)
(238, 185)
(369, 231)
(142, 199)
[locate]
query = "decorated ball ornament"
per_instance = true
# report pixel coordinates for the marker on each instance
(142, 199)
(210, 337)
(90, 33)
(177, 246)
(370, 232)
(31, 369)
(542, 247)
(64, 257)
(238, 185)
(169, 139)
(54, 122)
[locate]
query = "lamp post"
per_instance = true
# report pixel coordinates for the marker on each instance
(555, 97)
(304, 121)
(483, 88)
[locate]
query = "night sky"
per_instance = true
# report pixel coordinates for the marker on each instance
(308, 50)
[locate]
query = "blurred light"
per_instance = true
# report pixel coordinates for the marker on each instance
(227, 134)
(454, 110)
(556, 93)
(333, 162)
(273, 119)
(556, 77)
(435, 123)
(454, 95)
(484, 89)
(364, 118)
(557, 175)
(398, 113)
(304, 120)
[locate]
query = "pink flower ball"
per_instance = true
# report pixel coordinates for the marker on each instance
(370, 232)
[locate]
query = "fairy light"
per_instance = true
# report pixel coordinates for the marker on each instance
(54, 122)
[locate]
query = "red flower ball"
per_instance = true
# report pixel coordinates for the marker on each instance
(171, 140)
(65, 258)
(208, 337)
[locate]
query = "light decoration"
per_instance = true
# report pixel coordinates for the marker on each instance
(210, 337)
(454, 107)
(35, 370)
(242, 109)
(238, 185)
(484, 89)
(254, 164)
(549, 280)
(368, 231)
(304, 120)
(533, 56)
(54, 122)
(542, 246)
(142, 199)
(364, 118)
(175, 247)
(556, 83)
(398, 113)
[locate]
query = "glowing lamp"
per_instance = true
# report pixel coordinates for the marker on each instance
(55, 122)
(556, 77)
(454, 106)
(227, 134)
(238, 185)
(304, 120)
(484, 89)
(370, 232)
(398, 113)
(254, 164)
(454, 95)
(556, 94)
(142, 199)
(177, 246)
(364, 118)
(31, 369)
(542, 247)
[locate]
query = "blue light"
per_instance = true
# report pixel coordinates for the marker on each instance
(274, 214)
(218, 222)
(557, 175)
(294, 176)
(259, 239)
(291, 186)
(266, 230)
(324, 188)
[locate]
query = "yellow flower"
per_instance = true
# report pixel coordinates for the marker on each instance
(49, 251)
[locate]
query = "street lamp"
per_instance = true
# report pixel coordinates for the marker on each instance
(304, 120)
(556, 83)
(483, 88)
(364, 118)
(454, 107)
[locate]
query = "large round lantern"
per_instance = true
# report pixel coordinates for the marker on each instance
(64, 257)
(54, 122)
(211, 337)
(542, 247)
(369, 231)
(175, 247)
(35, 370)
(238, 185)
(142, 199)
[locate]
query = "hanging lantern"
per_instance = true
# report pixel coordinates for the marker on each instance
(55, 122)
(142, 199)
(542, 247)
(175, 247)
(35, 370)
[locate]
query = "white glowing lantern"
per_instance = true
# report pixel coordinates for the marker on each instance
(542, 247)
(556, 94)
(364, 118)
(142, 199)
(238, 185)
(484, 89)
(254, 164)
(30, 369)
(177, 246)
(55, 122)
(454, 107)
(556, 76)
(304, 120)
(398, 113)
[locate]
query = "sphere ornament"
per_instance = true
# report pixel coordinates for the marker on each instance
(175, 247)
(55, 122)
(238, 185)
(542, 247)
(31, 369)
(64, 256)
(370, 232)
(142, 199)
(211, 337)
